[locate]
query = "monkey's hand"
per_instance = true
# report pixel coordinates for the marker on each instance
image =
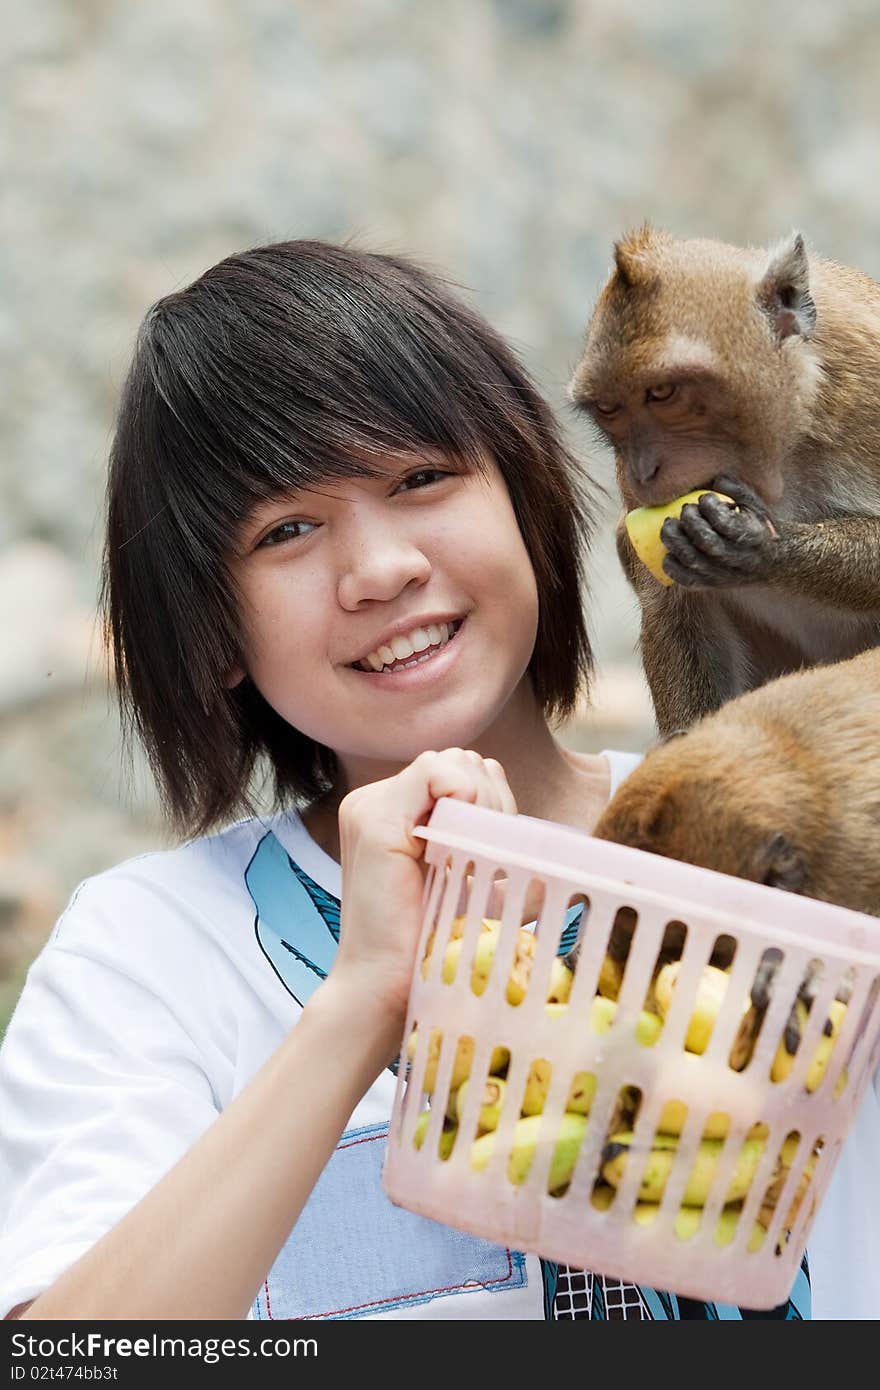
(711, 545)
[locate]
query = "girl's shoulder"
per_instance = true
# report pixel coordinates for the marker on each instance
(166, 903)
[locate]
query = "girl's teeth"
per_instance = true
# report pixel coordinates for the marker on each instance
(399, 649)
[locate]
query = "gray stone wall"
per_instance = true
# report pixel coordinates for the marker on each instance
(506, 142)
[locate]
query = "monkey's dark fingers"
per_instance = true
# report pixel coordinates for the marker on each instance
(745, 496)
(692, 578)
(741, 548)
(720, 515)
(703, 535)
(682, 549)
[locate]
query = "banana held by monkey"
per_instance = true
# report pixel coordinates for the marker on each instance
(643, 526)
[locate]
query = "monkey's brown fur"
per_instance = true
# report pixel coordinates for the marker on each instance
(781, 786)
(773, 363)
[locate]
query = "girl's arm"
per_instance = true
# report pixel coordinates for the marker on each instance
(200, 1243)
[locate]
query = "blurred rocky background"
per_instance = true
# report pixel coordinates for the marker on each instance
(505, 142)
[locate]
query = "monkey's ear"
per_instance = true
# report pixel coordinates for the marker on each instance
(782, 865)
(784, 291)
(628, 255)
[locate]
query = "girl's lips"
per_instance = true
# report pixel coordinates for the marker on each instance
(422, 672)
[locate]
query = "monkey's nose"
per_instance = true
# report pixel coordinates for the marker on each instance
(645, 468)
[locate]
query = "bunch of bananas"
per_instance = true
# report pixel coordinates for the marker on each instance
(615, 1154)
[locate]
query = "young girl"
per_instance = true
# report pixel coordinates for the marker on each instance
(345, 545)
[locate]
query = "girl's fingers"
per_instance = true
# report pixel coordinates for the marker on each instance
(504, 798)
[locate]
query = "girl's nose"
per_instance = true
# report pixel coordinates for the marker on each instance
(378, 568)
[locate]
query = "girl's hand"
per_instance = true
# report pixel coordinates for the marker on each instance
(383, 872)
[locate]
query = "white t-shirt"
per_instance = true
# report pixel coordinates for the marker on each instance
(165, 985)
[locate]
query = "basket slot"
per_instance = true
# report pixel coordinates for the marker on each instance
(496, 1169)
(688, 1143)
(627, 1192)
(695, 957)
(812, 1036)
(586, 1172)
(551, 922)
(742, 973)
(592, 944)
(450, 876)
(825, 1161)
(786, 1191)
(854, 1050)
(782, 996)
(732, 1152)
(472, 904)
(430, 1143)
(646, 943)
(467, 1121)
(516, 890)
(435, 884)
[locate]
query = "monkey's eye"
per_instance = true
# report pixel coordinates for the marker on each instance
(606, 408)
(664, 392)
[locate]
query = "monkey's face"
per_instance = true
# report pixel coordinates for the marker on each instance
(685, 374)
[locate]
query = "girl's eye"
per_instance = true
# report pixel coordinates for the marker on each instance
(287, 531)
(422, 477)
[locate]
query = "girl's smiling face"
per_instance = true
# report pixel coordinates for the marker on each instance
(384, 616)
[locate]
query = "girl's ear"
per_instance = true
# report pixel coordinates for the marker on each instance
(234, 676)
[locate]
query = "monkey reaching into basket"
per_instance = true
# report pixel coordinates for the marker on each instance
(781, 786)
(754, 373)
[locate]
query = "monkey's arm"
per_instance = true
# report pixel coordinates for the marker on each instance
(693, 657)
(836, 562)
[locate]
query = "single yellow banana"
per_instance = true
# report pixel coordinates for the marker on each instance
(784, 1060)
(659, 1165)
(711, 990)
(494, 1090)
(610, 977)
(447, 1134)
(560, 981)
(674, 1114)
(525, 1138)
(603, 1012)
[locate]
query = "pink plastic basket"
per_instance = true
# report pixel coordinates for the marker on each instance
(690, 1238)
